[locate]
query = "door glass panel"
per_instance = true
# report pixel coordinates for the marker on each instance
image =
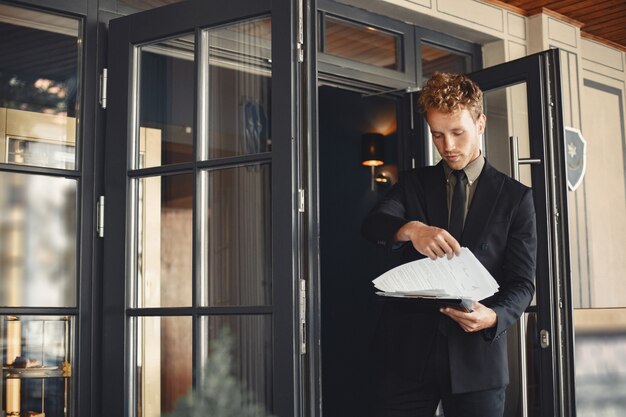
(362, 43)
(164, 268)
(38, 224)
(166, 91)
(238, 89)
(507, 115)
(506, 109)
(249, 356)
(39, 83)
(37, 365)
(237, 254)
(163, 363)
(443, 60)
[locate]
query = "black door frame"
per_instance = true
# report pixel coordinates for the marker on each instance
(541, 72)
(154, 24)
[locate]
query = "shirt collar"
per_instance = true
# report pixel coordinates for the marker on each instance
(472, 170)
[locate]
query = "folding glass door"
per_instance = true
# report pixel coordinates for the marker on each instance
(200, 207)
(524, 138)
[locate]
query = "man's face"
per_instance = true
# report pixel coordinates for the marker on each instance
(456, 136)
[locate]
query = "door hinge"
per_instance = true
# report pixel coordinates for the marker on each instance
(302, 302)
(103, 88)
(300, 40)
(301, 200)
(100, 216)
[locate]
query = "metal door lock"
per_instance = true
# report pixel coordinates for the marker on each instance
(544, 339)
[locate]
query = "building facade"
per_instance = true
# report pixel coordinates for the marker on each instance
(171, 175)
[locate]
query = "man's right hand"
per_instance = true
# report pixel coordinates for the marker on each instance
(428, 240)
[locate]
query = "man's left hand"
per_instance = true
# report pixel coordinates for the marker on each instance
(480, 318)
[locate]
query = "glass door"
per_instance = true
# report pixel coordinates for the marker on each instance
(524, 137)
(45, 241)
(200, 210)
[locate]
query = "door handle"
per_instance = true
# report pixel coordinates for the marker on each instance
(516, 161)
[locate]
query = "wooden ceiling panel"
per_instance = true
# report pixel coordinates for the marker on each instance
(603, 20)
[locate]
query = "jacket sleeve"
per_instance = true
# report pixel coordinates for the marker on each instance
(387, 217)
(518, 269)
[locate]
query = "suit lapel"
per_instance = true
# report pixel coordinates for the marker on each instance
(483, 204)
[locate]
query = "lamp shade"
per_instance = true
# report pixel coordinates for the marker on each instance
(372, 149)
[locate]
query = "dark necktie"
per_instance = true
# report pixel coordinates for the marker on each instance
(457, 210)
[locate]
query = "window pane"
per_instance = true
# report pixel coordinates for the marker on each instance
(362, 43)
(165, 241)
(166, 102)
(239, 89)
(507, 112)
(39, 82)
(438, 59)
(237, 254)
(163, 363)
(37, 365)
(37, 241)
(507, 115)
(250, 342)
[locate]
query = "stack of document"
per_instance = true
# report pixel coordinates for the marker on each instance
(461, 278)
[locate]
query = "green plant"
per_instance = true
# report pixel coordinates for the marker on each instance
(220, 394)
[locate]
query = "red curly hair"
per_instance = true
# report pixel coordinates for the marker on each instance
(449, 93)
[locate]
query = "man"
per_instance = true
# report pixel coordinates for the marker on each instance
(429, 353)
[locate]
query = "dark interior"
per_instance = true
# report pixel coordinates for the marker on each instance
(349, 307)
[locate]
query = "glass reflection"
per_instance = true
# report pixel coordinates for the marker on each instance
(442, 60)
(237, 254)
(165, 241)
(362, 43)
(239, 89)
(250, 340)
(163, 361)
(37, 241)
(39, 83)
(507, 115)
(37, 365)
(166, 103)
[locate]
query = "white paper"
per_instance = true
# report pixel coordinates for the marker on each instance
(462, 277)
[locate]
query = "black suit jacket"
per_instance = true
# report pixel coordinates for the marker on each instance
(500, 231)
